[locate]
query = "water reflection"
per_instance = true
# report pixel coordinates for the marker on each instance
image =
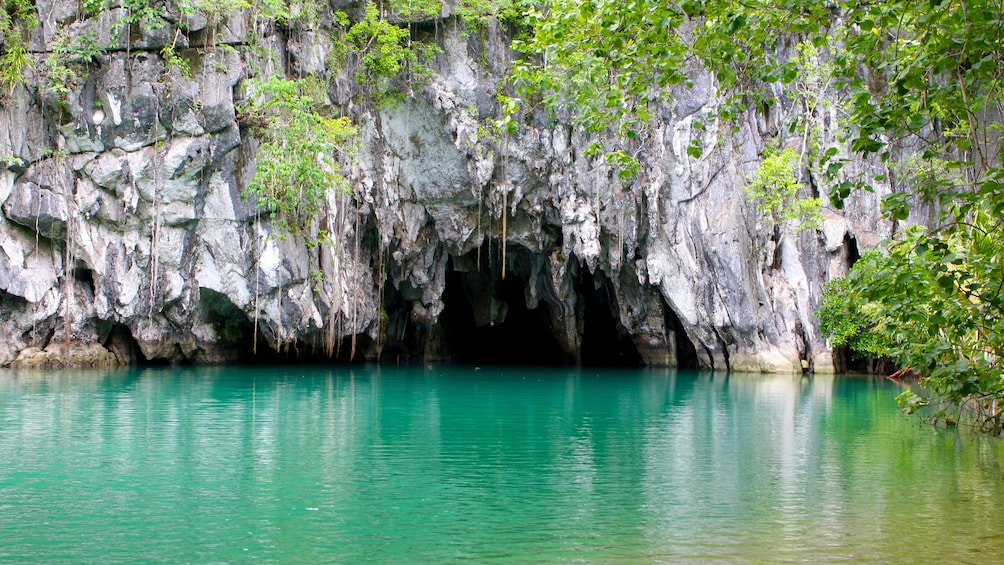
(303, 465)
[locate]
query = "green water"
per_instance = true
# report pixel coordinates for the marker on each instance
(304, 465)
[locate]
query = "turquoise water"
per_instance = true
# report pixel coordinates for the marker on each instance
(360, 465)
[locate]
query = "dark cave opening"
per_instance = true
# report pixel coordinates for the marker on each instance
(605, 343)
(118, 339)
(853, 254)
(486, 320)
(85, 276)
(229, 322)
(686, 353)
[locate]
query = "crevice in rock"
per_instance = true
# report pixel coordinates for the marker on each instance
(725, 349)
(47, 338)
(605, 342)
(686, 353)
(851, 247)
(844, 360)
(85, 277)
(710, 356)
(119, 340)
(403, 340)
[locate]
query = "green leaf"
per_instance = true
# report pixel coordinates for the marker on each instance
(695, 149)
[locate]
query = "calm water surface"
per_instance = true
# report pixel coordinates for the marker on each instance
(305, 465)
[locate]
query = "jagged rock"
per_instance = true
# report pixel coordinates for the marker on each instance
(37, 208)
(28, 269)
(166, 259)
(38, 199)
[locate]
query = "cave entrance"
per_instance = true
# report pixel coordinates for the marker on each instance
(486, 319)
(605, 343)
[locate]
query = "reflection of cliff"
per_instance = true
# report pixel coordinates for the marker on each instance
(123, 223)
(368, 464)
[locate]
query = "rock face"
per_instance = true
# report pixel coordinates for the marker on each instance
(123, 222)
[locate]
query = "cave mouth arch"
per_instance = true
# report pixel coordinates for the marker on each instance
(494, 320)
(486, 319)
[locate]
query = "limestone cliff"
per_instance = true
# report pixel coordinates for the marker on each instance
(123, 222)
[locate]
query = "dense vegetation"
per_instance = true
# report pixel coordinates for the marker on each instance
(17, 19)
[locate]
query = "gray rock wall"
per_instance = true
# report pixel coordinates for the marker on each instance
(123, 218)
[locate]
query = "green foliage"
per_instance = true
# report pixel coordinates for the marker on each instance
(316, 280)
(627, 166)
(10, 162)
(935, 79)
(68, 62)
(173, 60)
(13, 61)
(150, 14)
(279, 11)
(300, 157)
(17, 19)
(740, 43)
(849, 318)
(273, 10)
(606, 60)
(930, 302)
(382, 48)
(215, 11)
(476, 13)
(379, 53)
(775, 187)
(415, 10)
(508, 122)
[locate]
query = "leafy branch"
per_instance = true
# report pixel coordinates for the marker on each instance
(301, 154)
(775, 187)
(17, 19)
(378, 54)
